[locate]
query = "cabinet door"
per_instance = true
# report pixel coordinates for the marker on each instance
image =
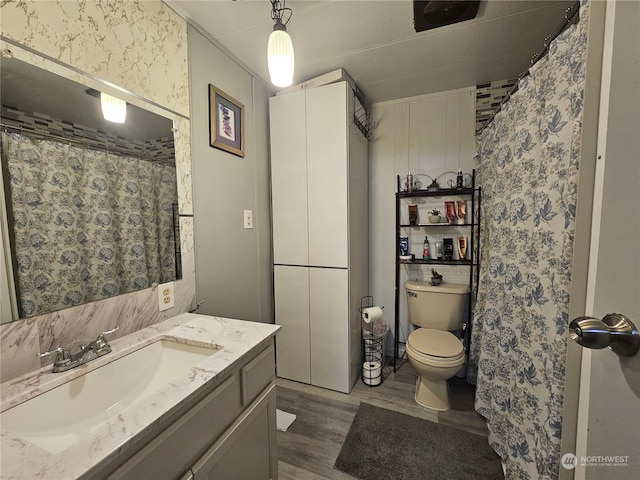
(327, 133)
(291, 286)
(248, 450)
(171, 452)
(329, 319)
(289, 178)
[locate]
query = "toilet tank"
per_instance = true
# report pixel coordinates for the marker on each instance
(440, 307)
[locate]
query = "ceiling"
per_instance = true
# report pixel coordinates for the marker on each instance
(32, 89)
(375, 42)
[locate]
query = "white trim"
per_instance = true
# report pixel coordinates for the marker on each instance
(585, 376)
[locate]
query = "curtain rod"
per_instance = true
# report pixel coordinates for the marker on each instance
(569, 15)
(105, 148)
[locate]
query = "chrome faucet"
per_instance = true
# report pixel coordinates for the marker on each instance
(79, 353)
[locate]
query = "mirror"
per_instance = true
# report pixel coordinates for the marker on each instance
(90, 206)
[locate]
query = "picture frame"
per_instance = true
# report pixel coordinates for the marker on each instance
(226, 122)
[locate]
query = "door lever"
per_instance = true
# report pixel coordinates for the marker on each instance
(614, 331)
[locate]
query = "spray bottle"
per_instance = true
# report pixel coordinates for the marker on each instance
(426, 249)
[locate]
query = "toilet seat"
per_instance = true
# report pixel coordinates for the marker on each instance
(435, 347)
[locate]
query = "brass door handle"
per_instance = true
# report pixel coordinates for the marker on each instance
(614, 331)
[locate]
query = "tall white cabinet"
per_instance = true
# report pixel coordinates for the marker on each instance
(320, 234)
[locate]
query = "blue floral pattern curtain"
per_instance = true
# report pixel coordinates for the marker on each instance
(528, 169)
(87, 224)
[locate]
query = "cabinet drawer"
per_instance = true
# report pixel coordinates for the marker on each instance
(175, 449)
(257, 374)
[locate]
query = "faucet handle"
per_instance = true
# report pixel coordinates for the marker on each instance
(63, 356)
(115, 329)
(101, 344)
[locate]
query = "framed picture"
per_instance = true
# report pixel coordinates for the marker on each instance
(226, 122)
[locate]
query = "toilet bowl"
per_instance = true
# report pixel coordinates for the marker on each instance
(432, 349)
(436, 356)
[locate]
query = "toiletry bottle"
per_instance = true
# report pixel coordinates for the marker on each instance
(426, 249)
(459, 180)
(409, 183)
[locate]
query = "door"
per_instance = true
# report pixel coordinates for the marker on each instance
(329, 324)
(327, 175)
(289, 178)
(248, 450)
(608, 433)
(291, 292)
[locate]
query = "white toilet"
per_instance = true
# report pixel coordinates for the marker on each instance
(433, 351)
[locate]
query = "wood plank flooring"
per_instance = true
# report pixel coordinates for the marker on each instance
(309, 448)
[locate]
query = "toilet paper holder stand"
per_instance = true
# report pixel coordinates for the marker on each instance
(372, 353)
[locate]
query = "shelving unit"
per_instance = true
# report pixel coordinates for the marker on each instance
(473, 195)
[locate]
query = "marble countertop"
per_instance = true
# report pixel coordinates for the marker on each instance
(234, 339)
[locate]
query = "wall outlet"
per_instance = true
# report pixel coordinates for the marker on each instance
(166, 294)
(248, 219)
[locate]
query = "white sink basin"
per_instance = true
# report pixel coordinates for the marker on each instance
(60, 417)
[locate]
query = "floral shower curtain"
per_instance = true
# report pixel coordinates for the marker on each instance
(528, 168)
(87, 224)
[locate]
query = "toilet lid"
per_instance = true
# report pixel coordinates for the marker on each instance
(436, 343)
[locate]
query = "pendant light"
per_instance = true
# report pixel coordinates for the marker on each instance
(113, 109)
(280, 48)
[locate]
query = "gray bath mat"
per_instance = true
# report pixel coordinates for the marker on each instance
(384, 445)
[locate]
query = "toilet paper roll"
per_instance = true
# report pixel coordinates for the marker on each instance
(372, 373)
(370, 314)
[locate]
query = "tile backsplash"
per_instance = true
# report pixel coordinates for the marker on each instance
(488, 98)
(160, 149)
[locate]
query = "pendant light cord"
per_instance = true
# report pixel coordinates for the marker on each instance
(279, 12)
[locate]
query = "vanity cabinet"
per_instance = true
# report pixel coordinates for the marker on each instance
(227, 432)
(320, 234)
(242, 452)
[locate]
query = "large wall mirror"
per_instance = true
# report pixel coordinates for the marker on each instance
(90, 207)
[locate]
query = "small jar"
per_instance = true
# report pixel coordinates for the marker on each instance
(439, 250)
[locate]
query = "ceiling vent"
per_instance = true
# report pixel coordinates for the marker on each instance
(438, 13)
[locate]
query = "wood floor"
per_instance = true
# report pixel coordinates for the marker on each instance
(309, 448)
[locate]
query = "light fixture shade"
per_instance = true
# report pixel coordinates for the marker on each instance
(280, 58)
(113, 109)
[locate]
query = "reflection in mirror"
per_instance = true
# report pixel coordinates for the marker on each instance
(91, 208)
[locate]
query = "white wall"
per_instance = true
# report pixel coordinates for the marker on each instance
(430, 135)
(234, 274)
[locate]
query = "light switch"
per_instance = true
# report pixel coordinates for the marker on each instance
(248, 219)
(165, 296)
